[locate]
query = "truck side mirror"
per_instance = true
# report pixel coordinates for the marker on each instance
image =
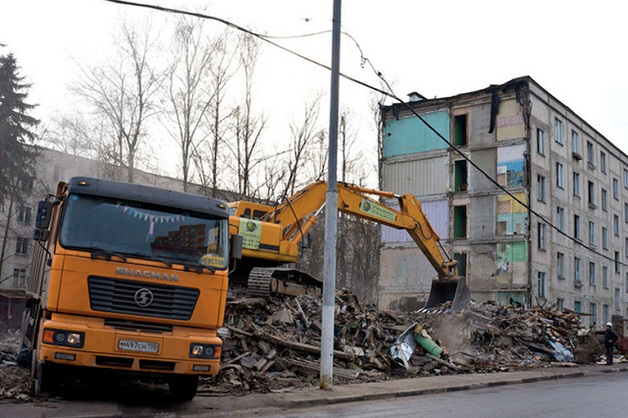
(236, 246)
(42, 220)
(44, 212)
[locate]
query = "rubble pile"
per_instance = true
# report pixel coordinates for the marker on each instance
(14, 380)
(513, 337)
(272, 344)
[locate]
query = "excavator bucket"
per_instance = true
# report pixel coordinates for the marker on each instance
(449, 290)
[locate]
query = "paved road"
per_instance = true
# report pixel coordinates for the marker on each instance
(585, 391)
(595, 396)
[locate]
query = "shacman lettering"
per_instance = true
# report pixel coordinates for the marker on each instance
(147, 274)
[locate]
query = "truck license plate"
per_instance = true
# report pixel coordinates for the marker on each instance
(143, 346)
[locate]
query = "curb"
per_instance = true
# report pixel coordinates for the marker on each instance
(390, 394)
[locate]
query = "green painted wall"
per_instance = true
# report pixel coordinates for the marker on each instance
(411, 135)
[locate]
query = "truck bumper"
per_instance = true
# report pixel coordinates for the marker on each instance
(105, 347)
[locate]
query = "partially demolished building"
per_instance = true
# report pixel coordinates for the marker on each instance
(527, 196)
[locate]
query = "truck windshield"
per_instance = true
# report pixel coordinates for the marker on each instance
(137, 229)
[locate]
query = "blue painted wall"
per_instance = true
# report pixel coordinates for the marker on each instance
(411, 135)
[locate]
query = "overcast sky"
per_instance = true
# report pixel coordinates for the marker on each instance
(574, 49)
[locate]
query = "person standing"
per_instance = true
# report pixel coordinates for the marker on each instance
(610, 338)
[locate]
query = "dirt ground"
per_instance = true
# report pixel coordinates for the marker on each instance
(14, 380)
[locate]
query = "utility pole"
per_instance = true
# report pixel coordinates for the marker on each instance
(331, 215)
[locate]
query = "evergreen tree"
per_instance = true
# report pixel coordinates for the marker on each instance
(16, 159)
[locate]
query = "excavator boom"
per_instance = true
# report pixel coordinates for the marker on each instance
(287, 223)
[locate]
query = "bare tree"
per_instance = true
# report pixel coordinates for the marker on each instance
(187, 95)
(303, 135)
(123, 93)
(222, 68)
(74, 135)
(247, 127)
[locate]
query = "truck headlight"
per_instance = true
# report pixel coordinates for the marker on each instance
(198, 350)
(63, 337)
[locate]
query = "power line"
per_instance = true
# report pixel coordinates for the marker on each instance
(390, 93)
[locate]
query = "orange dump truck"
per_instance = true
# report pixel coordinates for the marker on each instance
(127, 279)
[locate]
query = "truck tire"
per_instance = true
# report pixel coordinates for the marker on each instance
(44, 377)
(183, 388)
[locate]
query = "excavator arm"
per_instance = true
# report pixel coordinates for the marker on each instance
(296, 215)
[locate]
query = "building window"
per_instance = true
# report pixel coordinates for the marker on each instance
(560, 219)
(541, 238)
(540, 141)
(26, 184)
(460, 221)
(540, 188)
(591, 233)
(591, 273)
(558, 131)
(576, 270)
(625, 179)
(604, 238)
(604, 198)
(616, 225)
(617, 299)
(560, 176)
(575, 145)
(617, 263)
(615, 189)
(460, 130)
(19, 277)
(590, 155)
(626, 279)
(460, 176)
(603, 162)
(605, 277)
(577, 306)
(592, 313)
(541, 284)
(560, 304)
(21, 245)
(560, 265)
(605, 317)
(591, 190)
(626, 212)
(576, 227)
(576, 184)
(24, 214)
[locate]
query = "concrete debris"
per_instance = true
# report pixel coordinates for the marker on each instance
(273, 345)
(371, 345)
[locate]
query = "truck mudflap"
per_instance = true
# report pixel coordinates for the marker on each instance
(453, 290)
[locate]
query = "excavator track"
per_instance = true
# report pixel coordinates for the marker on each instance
(259, 281)
(268, 281)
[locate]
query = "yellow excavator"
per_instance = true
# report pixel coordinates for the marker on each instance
(272, 235)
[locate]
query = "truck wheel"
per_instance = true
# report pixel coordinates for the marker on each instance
(183, 388)
(44, 377)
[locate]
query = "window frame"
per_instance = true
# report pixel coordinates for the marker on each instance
(558, 131)
(560, 175)
(540, 141)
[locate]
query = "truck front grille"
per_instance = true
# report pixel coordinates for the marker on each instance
(141, 298)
